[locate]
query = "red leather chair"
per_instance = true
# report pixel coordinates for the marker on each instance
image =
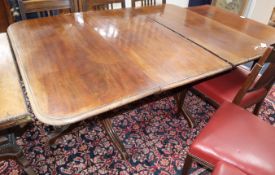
(237, 137)
(242, 87)
(223, 168)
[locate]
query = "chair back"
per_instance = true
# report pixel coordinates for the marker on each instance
(146, 2)
(45, 8)
(254, 81)
(100, 4)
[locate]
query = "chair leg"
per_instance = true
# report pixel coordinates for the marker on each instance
(182, 108)
(187, 164)
(258, 107)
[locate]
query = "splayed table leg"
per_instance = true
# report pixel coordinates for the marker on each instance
(182, 108)
(60, 131)
(107, 124)
(9, 149)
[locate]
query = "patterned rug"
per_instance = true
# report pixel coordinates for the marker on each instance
(155, 137)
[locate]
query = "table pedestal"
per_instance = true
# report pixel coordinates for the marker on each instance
(10, 150)
(106, 123)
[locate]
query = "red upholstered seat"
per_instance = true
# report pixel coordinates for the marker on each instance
(239, 86)
(225, 87)
(236, 136)
(223, 168)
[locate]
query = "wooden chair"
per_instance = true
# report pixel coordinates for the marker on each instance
(100, 4)
(240, 86)
(11, 10)
(13, 111)
(235, 6)
(45, 8)
(237, 137)
(146, 2)
(3, 18)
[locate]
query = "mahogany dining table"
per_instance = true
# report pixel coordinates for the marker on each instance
(81, 65)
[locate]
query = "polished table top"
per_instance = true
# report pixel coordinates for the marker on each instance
(246, 26)
(79, 65)
(227, 35)
(11, 95)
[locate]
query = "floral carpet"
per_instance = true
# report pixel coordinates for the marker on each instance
(153, 134)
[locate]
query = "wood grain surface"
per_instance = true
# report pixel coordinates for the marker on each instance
(79, 65)
(225, 34)
(247, 26)
(12, 104)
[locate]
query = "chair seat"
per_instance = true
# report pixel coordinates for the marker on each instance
(223, 168)
(225, 87)
(235, 136)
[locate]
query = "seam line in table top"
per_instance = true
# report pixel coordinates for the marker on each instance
(28, 88)
(192, 41)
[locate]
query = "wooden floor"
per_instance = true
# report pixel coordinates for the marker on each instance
(3, 18)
